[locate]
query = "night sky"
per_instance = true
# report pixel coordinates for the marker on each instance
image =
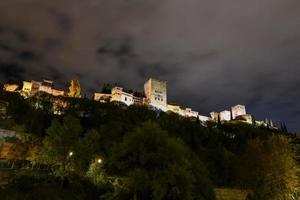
(213, 53)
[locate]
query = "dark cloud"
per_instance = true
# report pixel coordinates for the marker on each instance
(213, 53)
(11, 71)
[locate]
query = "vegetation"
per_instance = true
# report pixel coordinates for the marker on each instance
(108, 151)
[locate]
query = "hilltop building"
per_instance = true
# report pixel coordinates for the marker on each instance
(238, 110)
(156, 94)
(215, 116)
(246, 118)
(10, 87)
(33, 87)
(204, 118)
(102, 97)
(190, 113)
(118, 95)
(225, 115)
(174, 108)
(155, 97)
(46, 86)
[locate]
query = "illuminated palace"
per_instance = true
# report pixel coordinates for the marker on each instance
(154, 96)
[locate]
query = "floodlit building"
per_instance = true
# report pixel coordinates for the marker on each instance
(118, 95)
(138, 100)
(156, 94)
(225, 115)
(31, 88)
(46, 86)
(245, 118)
(35, 87)
(58, 93)
(10, 87)
(203, 118)
(238, 110)
(173, 108)
(102, 97)
(215, 116)
(188, 112)
(27, 87)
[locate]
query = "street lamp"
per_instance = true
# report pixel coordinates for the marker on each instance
(99, 161)
(71, 153)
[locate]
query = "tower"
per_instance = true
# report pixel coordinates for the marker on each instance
(238, 110)
(156, 93)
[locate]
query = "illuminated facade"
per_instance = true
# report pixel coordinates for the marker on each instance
(156, 94)
(10, 87)
(46, 87)
(118, 95)
(238, 110)
(215, 116)
(155, 97)
(225, 115)
(102, 97)
(245, 118)
(203, 118)
(188, 112)
(33, 87)
(174, 108)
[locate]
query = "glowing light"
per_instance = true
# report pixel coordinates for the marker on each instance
(71, 153)
(99, 161)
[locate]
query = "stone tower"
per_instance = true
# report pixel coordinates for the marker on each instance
(156, 94)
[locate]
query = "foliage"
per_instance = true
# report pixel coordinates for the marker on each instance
(157, 166)
(171, 157)
(268, 168)
(51, 188)
(61, 141)
(74, 89)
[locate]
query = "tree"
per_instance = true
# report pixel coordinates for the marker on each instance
(107, 87)
(157, 166)
(61, 141)
(75, 89)
(86, 150)
(268, 168)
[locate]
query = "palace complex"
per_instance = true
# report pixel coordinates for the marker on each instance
(155, 96)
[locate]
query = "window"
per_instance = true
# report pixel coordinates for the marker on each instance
(125, 98)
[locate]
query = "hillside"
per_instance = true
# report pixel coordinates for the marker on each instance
(134, 152)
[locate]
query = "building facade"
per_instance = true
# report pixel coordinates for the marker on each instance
(10, 87)
(33, 87)
(118, 95)
(215, 116)
(238, 110)
(188, 112)
(225, 115)
(156, 94)
(102, 97)
(46, 87)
